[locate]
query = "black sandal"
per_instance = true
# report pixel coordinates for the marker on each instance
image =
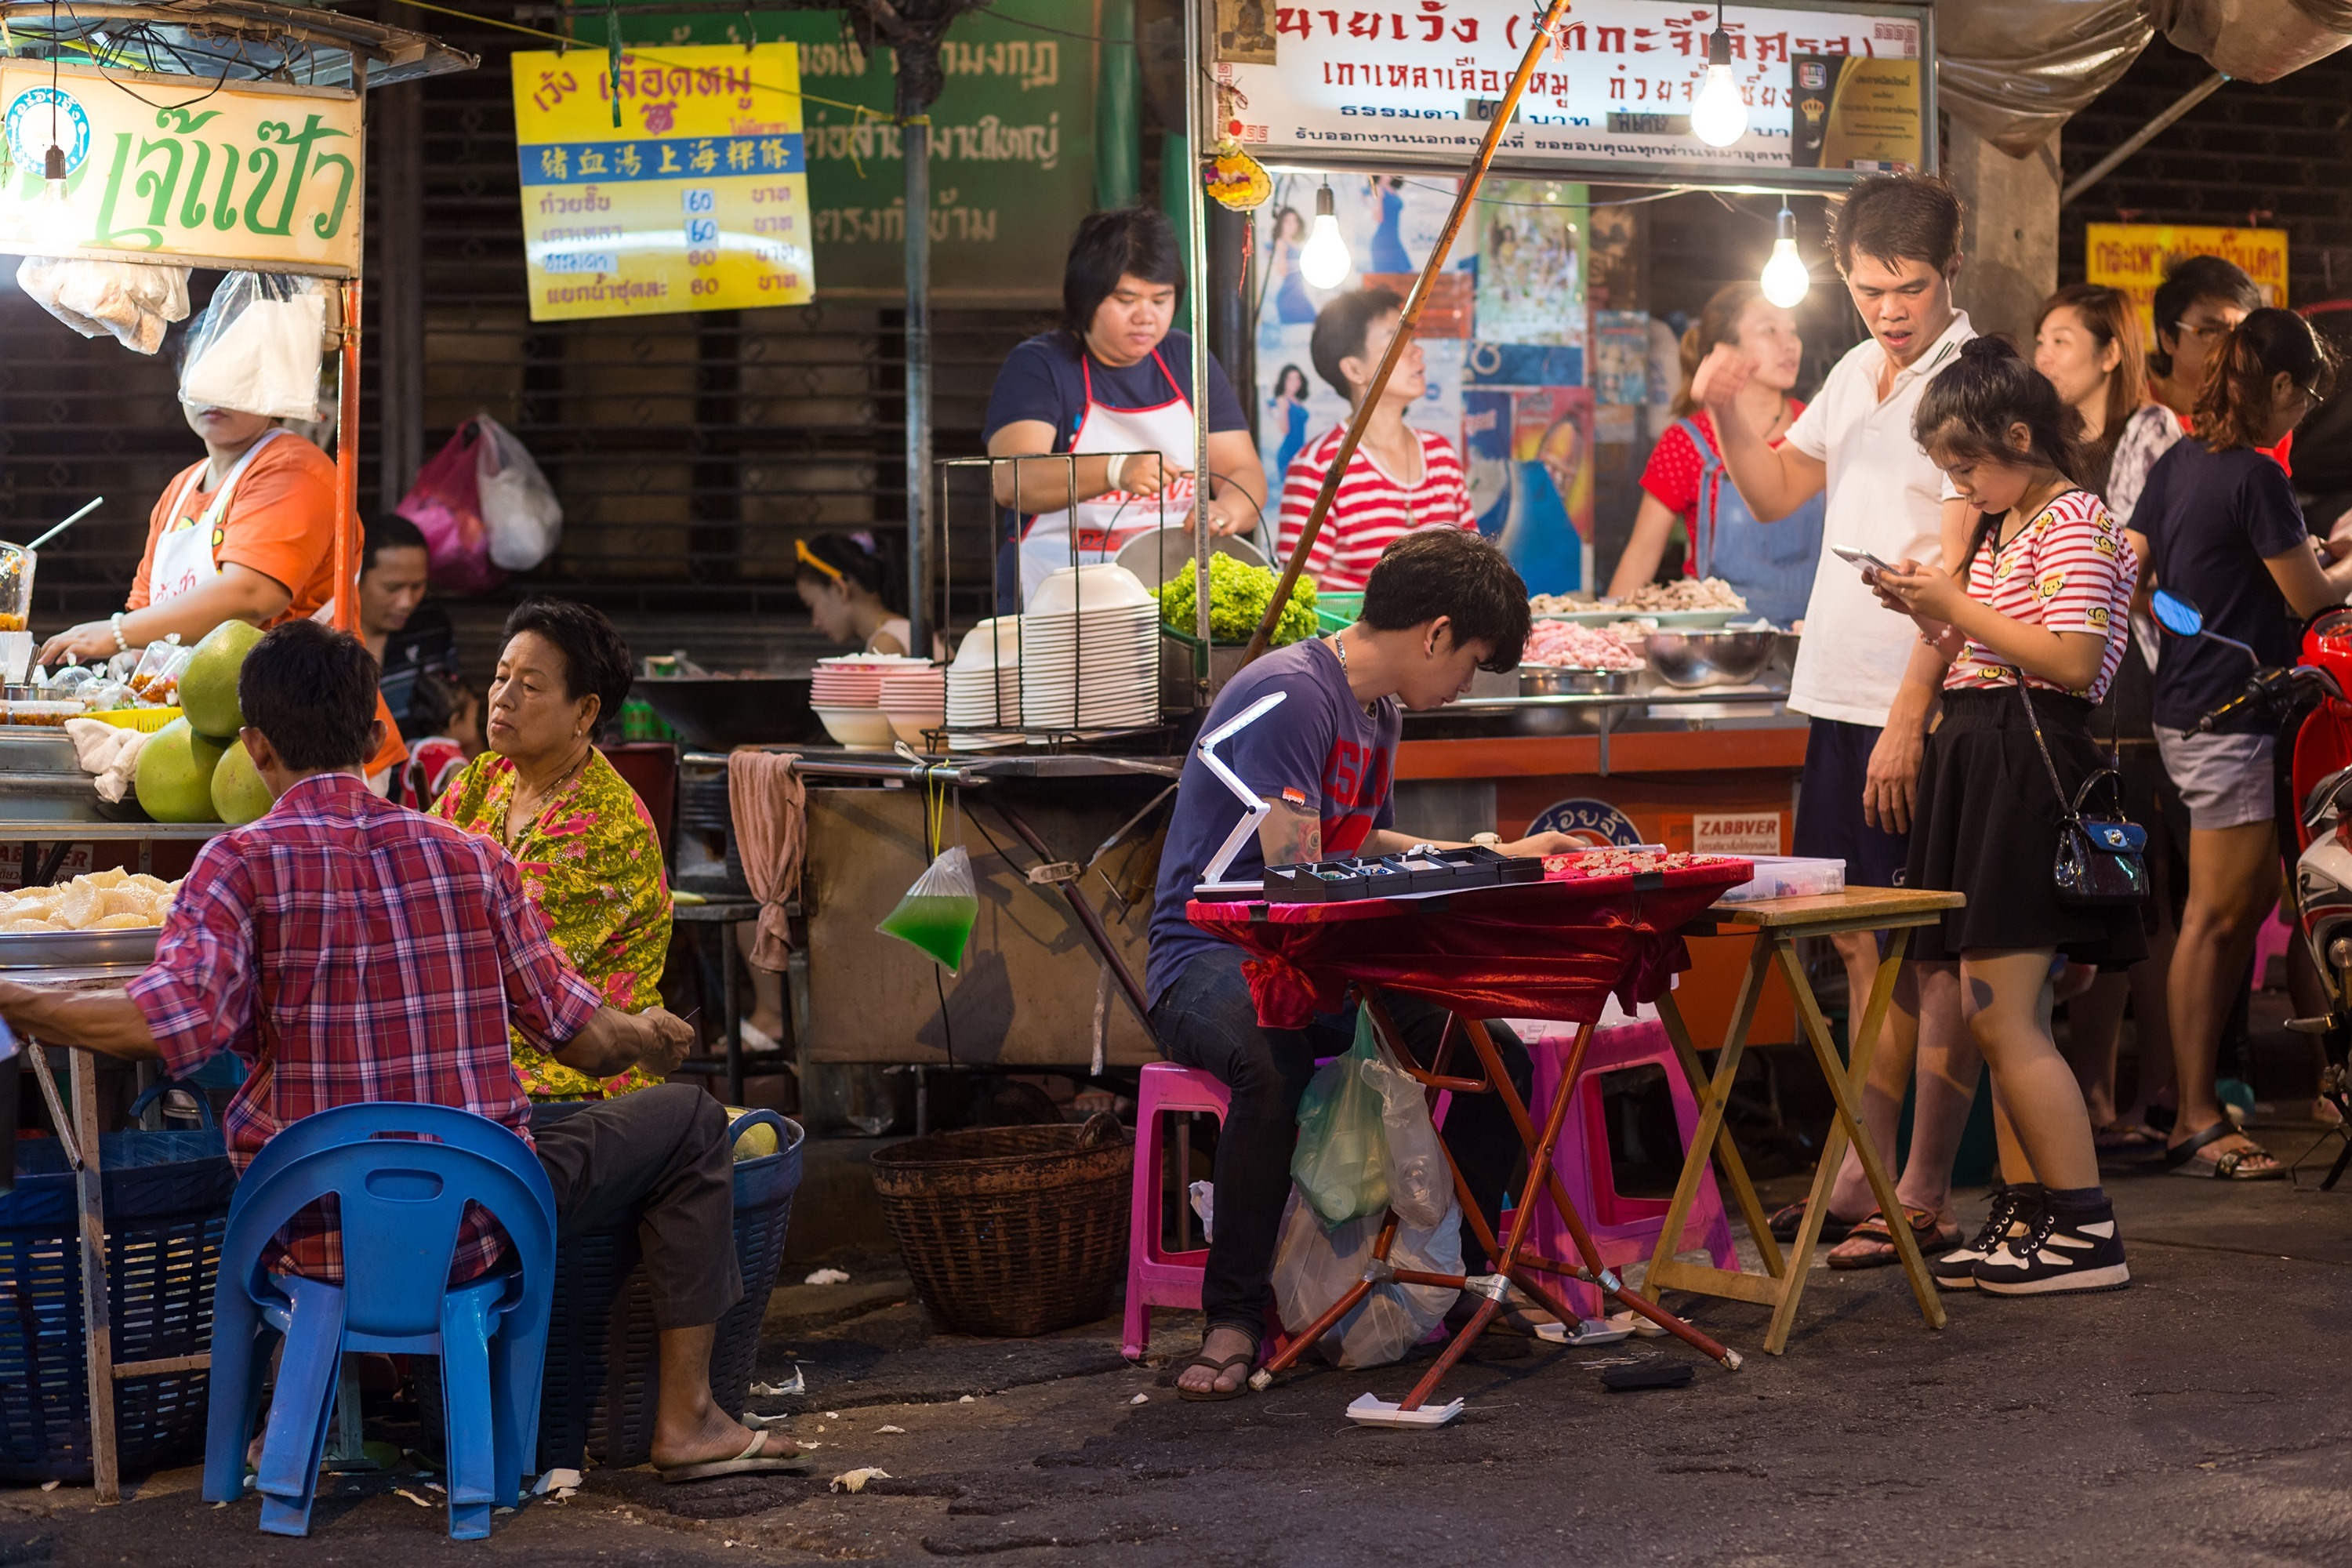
(2226, 1167)
(1246, 1360)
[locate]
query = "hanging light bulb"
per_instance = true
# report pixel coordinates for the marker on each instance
(1325, 262)
(54, 225)
(1720, 117)
(1786, 279)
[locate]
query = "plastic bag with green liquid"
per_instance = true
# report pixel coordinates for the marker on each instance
(937, 913)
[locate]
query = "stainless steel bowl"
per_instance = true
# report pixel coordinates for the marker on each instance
(1560, 680)
(1564, 681)
(1695, 659)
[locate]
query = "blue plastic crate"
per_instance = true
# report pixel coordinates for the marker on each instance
(167, 1197)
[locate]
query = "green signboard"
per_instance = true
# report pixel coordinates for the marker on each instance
(1013, 158)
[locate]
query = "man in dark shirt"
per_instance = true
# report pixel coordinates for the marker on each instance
(1440, 604)
(409, 639)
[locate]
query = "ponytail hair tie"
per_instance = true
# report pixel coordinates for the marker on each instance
(863, 540)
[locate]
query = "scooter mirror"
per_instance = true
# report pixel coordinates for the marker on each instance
(2177, 615)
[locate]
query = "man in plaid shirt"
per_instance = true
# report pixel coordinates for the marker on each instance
(349, 950)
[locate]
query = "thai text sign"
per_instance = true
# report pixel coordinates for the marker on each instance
(1419, 82)
(248, 174)
(2135, 257)
(697, 201)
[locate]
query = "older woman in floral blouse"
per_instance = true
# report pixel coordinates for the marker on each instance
(579, 834)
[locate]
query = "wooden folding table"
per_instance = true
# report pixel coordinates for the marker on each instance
(1778, 923)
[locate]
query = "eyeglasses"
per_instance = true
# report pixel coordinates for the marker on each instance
(2203, 329)
(807, 557)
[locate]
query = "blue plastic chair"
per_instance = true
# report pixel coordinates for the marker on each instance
(401, 1201)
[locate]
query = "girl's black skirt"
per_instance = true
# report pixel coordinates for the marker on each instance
(1987, 825)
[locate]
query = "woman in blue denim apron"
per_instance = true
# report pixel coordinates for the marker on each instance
(1770, 565)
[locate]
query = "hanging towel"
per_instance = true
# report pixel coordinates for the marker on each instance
(770, 805)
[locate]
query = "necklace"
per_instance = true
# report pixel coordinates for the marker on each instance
(538, 806)
(1340, 646)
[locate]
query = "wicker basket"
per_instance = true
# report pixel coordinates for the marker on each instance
(600, 1388)
(167, 1197)
(1012, 1231)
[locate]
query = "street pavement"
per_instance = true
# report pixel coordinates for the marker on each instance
(2197, 1417)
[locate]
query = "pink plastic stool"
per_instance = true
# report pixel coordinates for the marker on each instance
(2272, 942)
(1625, 1230)
(1157, 1277)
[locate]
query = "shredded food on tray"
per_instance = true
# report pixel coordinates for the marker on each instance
(1566, 644)
(1684, 593)
(113, 899)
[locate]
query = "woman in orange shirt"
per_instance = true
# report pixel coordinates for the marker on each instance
(248, 534)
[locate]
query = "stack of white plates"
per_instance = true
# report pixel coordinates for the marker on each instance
(984, 681)
(1089, 651)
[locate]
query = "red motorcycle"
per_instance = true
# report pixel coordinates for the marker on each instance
(2309, 704)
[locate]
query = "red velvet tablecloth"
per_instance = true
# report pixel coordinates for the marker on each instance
(1603, 922)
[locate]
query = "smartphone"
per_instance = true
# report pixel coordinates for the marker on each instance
(1862, 558)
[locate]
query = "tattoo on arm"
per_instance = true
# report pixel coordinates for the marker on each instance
(1291, 834)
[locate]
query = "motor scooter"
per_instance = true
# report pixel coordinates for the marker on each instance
(2309, 705)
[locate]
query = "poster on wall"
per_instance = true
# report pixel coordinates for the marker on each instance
(1530, 474)
(1390, 224)
(2135, 257)
(1530, 272)
(696, 200)
(1615, 90)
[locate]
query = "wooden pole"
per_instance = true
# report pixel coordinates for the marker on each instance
(1554, 10)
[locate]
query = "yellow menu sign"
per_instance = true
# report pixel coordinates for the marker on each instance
(244, 175)
(2135, 257)
(697, 201)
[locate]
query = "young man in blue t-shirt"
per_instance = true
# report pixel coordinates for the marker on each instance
(1438, 605)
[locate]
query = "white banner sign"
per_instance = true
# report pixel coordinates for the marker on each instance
(1829, 93)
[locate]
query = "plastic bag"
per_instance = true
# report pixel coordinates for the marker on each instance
(1341, 1160)
(256, 348)
(130, 300)
(938, 913)
(1421, 1183)
(520, 511)
(1313, 1266)
(445, 504)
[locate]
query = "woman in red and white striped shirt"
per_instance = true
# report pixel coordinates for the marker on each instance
(2035, 623)
(1400, 479)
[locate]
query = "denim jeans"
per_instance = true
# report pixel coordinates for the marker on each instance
(1206, 1020)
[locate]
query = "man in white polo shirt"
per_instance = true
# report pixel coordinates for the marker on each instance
(1863, 676)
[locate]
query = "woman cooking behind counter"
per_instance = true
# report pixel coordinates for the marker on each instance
(578, 833)
(1770, 564)
(1110, 382)
(247, 534)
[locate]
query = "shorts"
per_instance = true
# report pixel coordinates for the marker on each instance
(2227, 780)
(1829, 808)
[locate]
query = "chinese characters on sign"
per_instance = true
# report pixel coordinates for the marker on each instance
(698, 202)
(254, 175)
(1421, 81)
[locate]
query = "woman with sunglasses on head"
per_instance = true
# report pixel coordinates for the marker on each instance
(854, 589)
(2033, 623)
(2218, 525)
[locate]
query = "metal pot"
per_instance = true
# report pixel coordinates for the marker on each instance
(1695, 659)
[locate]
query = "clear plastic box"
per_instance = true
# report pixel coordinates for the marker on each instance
(1788, 877)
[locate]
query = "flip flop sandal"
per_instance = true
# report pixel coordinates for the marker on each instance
(1246, 1359)
(1871, 1244)
(2230, 1166)
(743, 1464)
(1785, 1221)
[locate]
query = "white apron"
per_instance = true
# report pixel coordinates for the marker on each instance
(1115, 518)
(184, 552)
